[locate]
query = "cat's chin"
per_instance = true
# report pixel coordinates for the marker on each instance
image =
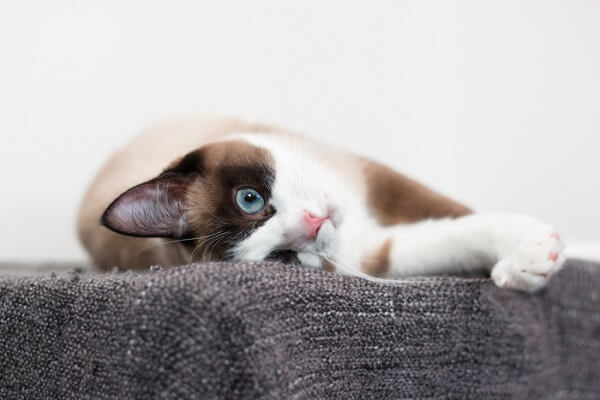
(310, 260)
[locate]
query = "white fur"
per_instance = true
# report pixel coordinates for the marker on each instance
(302, 183)
(515, 249)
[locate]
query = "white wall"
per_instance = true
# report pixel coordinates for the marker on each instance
(496, 103)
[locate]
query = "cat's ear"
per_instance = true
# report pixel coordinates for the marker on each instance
(155, 208)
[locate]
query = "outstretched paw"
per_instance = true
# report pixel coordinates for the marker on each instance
(529, 267)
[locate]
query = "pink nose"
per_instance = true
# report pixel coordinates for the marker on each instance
(313, 223)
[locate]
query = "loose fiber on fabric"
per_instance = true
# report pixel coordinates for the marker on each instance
(274, 331)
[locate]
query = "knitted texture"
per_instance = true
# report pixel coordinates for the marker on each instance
(273, 331)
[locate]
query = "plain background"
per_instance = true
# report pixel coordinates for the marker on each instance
(495, 103)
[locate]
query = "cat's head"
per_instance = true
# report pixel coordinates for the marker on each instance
(233, 200)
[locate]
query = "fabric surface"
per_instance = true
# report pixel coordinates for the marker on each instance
(273, 331)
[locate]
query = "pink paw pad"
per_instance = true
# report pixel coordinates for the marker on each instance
(553, 256)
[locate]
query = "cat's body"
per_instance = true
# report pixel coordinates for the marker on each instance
(240, 191)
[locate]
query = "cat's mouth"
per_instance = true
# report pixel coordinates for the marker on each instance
(286, 256)
(311, 252)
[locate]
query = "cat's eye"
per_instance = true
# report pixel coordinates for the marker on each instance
(250, 201)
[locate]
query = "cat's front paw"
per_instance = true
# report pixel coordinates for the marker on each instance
(529, 267)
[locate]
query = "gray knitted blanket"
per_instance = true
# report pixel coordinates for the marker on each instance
(272, 331)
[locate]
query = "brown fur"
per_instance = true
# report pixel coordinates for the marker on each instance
(378, 262)
(396, 199)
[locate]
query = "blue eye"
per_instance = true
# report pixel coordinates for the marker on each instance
(250, 201)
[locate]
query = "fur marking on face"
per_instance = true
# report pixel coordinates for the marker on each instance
(199, 197)
(232, 200)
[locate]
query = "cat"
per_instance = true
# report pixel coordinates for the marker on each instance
(210, 188)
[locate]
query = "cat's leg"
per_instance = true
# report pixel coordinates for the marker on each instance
(519, 251)
(417, 238)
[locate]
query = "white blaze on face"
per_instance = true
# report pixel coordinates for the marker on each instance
(307, 215)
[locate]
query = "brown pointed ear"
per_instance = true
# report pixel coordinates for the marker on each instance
(155, 208)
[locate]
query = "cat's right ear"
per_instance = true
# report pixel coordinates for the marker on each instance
(155, 208)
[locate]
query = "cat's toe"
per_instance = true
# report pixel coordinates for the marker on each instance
(506, 275)
(531, 265)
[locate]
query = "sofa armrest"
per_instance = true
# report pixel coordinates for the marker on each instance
(274, 331)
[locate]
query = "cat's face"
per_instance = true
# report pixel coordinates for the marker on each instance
(235, 200)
